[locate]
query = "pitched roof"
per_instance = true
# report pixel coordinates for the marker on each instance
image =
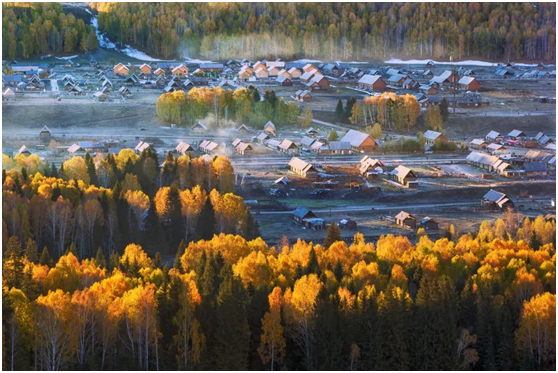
(74, 148)
(183, 147)
(466, 80)
(431, 135)
(244, 146)
(402, 171)
(477, 142)
(262, 136)
(270, 125)
(307, 141)
(141, 146)
(493, 134)
(301, 211)
(516, 133)
(356, 138)
(404, 215)
(286, 144)
(299, 164)
(482, 158)
(369, 79)
(495, 196)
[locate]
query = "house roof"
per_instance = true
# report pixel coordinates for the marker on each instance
(516, 133)
(282, 180)
(466, 80)
(431, 135)
(494, 196)
(307, 141)
(301, 211)
(369, 79)
(404, 215)
(236, 142)
(23, 149)
(482, 158)
(201, 124)
(74, 148)
(402, 171)
(262, 136)
(244, 146)
(339, 145)
(493, 134)
(211, 146)
(183, 147)
(269, 124)
(286, 144)
(356, 138)
(477, 142)
(141, 146)
(299, 164)
(316, 145)
(282, 78)
(535, 166)
(495, 147)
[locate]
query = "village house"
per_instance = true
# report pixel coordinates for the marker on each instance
(360, 142)
(243, 148)
(303, 95)
(273, 144)
(370, 168)
(372, 82)
(294, 73)
(273, 71)
(262, 138)
(284, 81)
(8, 94)
(448, 76)
(284, 73)
(145, 68)
(469, 83)
(516, 135)
(120, 69)
(24, 151)
(243, 129)
(397, 79)
(406, 220)
(348, 224)
(428, 89)
(542, 139)
(478, 144)
(318, 82)
(317, 146)
(404, 176)
(141, 146)
(410, 84)
(199, 127)
(124, 91)
(430, 137)
(99, 96)
(482, 160)
(258, 65)
(494, 136)
(495, 149)
(307, 76)
(184, 149)
(497, 200)
(261, 73)
(309, 67)
(288, 147)
(302, 168)
(180, 70)
(159, 71)
(45, 135)
(212, 67)
(75, 150)
(429, 224)
(306, 142)
(307, 218)
(269, 128)
(312, 132)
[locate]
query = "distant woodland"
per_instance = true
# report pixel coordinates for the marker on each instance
(359, 31)
(119, 262)
(30, 29)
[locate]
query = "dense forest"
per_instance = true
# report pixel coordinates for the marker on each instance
(345, 31)
(85, 285)
(31, 29)
(224, 108)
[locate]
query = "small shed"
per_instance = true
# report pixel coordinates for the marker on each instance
(347, 224)
(406, 220)
(301, 213)
(429, 224)
(45, 135)
(199, 127)
(270, 129)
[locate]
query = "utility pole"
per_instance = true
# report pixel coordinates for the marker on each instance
(454, 82)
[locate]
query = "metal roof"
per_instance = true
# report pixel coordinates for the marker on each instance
(356, 138)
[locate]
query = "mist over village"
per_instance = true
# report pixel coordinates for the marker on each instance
(278, 186)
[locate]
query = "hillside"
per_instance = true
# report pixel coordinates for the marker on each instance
(346, 31)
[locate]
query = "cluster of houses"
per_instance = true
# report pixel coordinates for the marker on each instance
(21, 82)
(493, 154)
(511, 70)
(406, 220)
(309, 76)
